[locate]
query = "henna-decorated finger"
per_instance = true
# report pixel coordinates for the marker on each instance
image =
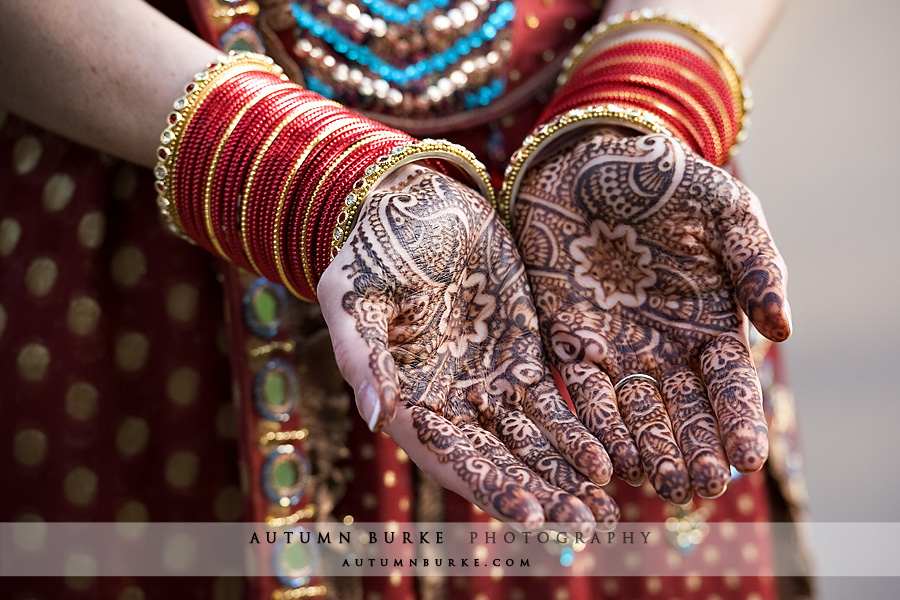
(595, 403)
(736, 396)
(559, 506)
(757, 269)
(546, 408)
(575, 345)
(696, 431)
(440, 449)
(358, 329)
(526, 442)
(647, 420)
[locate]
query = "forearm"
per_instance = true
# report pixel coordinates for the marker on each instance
(103, 73)
(742, 25)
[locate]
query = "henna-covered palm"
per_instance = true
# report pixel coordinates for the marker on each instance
(644, 258)
(431, 319)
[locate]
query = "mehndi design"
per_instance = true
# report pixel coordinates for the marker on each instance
(436, 288)
(641, 256)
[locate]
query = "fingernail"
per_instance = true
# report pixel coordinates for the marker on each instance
(714, 496)
(638, 482)
(369, 404)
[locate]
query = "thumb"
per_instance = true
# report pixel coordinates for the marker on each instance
(759, 274)
(357, 323)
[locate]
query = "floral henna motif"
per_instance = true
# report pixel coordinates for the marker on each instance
(644, 258)
(696, 431)
(438, 292)
(646, 419)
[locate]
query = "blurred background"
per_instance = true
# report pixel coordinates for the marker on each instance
(823, 156)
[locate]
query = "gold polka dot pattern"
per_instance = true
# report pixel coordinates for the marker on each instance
(181, 302)
(80, 486)
(30, 447)
(131, 351)
(91, 230)
(26, 154)
(83, 315)
(40, 276)
(132, 436)
(181, 469)
(58, 192)
(128, 266)
(33, 361)
(10, 232)
(182, 386)
(81, 401)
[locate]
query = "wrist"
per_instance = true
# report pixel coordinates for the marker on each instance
(270, 176)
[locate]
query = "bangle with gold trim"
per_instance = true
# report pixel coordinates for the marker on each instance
(442, 150)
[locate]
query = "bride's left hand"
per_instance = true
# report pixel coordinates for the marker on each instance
(644, 259)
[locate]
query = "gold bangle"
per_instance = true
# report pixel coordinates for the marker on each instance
(670, 114)
(399, 156)
(184, 108)
(604, 114)
(207, 188)
(307, 270)
(257, 161)
(684, 72)
(723, 57)
(282, 198)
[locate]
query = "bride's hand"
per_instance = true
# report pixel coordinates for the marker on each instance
(644, 259)
(434, 327)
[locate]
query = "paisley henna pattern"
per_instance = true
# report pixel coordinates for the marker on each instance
(439, 293)
(641, 256)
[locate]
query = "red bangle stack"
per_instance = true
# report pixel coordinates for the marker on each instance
(687, 94)
(256, 169)
(270, 176)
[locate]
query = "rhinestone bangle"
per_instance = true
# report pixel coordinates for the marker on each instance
(399, 156)
(183, 109)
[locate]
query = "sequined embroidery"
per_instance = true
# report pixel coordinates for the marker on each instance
(430, 56)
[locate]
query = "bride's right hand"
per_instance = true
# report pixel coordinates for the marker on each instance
(434, 327)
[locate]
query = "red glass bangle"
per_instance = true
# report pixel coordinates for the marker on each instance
(667, 80)
(300, 197)
(326, 218)
(301, 136)
(285, 150)
(714, 149)
(229, 176)
(200, 142)
(649, 51)
(305, 228)
(214, 202)
(240, 185)
(655, 51)
(667, 77)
